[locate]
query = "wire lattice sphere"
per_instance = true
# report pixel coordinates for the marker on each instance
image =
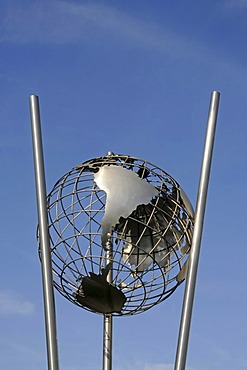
(144, 259)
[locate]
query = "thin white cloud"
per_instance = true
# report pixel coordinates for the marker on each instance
(159, 367)
(236, 4)
(25, 352)
(139, 365)
(145, 366)
(12, 304)
(67, 22)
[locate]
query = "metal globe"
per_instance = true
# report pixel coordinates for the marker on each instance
(144, 258)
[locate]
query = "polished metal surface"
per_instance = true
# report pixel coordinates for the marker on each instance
(148, 251)
(149, 247)
(108, 319)
(107, 342)
(185, 323)
(44, 238)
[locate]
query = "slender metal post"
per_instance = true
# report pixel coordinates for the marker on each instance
(185, 322)
(49, 304)
(107, 342)
(108, 319)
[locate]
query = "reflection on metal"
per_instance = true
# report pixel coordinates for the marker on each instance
(121, 230)
(125, 190)
(150, 234)
(107, 342)
(196, 243)
(44, 240)
(108, 319)
(120, 235)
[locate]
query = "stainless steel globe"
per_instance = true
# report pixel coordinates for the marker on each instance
(121, 231)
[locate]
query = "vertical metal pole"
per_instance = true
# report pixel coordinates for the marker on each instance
(49, 304)
(107, 334)
(185, 322)
(107, 342)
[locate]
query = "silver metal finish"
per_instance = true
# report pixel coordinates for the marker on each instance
(196, 241)
(108, 319)
(148, 249)
(107, 342)
(44, 239)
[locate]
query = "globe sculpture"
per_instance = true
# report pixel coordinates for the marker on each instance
(121, 232)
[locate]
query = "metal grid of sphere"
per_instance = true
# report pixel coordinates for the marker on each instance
(75, 210)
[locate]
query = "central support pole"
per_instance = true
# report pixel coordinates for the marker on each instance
(107, 334)
(184, 331)
(107, 342)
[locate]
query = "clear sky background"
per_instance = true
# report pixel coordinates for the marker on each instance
(133, 77)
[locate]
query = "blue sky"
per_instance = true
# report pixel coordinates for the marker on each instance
(133, 77)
